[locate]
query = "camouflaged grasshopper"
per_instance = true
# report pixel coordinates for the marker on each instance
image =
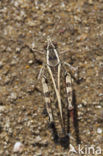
(58, 91)
(60, 100)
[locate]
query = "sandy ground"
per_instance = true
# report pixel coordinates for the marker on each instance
(77, 27)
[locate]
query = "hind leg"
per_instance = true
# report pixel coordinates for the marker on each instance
(69, 91)
(49, 109)
(47, 98)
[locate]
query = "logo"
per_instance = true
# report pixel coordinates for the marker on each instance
(93, 150)
(83, 150)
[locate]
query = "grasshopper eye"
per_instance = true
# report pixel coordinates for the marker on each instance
(55, 45)
(45, 47)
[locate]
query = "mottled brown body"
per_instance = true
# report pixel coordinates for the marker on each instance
(61, 125)
(57, 88)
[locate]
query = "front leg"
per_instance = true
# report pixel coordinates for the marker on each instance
(71, 67)
(41, 71)
(47, 98)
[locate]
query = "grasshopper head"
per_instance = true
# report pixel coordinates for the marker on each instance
(52, 54)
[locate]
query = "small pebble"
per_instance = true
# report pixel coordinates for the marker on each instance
(2, 108)
(18, 147)
(1, 64)
(7, 80)
(44, 142)
(30, 62)
(18, 49)
(90, 1)
(16, 4)
(38, 154)
(80, 105)
(98, 106)
(13, 62)
(62, 5)
(13, 96)
(33, 45)
(101, 94)
(37, 139)
(22, 13)
(99, 130)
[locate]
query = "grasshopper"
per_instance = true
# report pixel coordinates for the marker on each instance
(59, 101)
(54, 73)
